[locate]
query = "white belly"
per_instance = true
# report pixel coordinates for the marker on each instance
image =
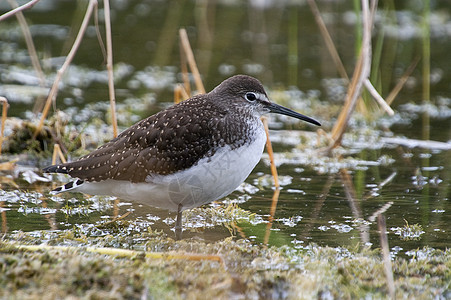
(210, 179)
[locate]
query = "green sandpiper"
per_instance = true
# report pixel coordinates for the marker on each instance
(187, 155)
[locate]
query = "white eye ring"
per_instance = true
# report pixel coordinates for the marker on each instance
(251, 97)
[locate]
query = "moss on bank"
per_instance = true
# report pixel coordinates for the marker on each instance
(247, 270)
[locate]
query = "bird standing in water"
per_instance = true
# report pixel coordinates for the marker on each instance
(187, 155)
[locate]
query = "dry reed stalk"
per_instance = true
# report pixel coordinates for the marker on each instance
(184, 69)
(191, 61)
(233, 229)
(380, 211)
(426, 53)
(18, 9)
(329, 42)
(54, 90)
(109, 65)
(381, 185)
(180, 94)
(57, 153)
(391, 97)
(8, 166)
(116, 218)
(99, 35)
(270, 153)
(361, 73)
(328, 39)
(177, 94)
(116, 207)
(383, 104)
(126, 253)
(5, 105)
(381, 224)
(29, 42)
(336, 58)
(31, 50)
(206, 25)
(4, 219)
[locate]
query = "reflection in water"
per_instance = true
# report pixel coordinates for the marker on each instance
(272, 212)
(49, 217)
(318, 205)
(382, 226)
(354, 203)
(3, 214)
(318, 212)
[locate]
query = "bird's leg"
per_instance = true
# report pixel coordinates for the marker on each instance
(178, 223)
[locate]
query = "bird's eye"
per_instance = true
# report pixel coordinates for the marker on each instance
(250, 96)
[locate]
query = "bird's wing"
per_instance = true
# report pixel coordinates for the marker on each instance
(162, 144)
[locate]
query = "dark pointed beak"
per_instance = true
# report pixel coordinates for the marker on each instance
(278, 109)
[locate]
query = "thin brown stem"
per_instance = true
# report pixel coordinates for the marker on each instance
(18, 9)
(328, 39)
(54, 90)
(57, 153)
(109, 66)
(361, 73)
(184, 70)
(5, 105)
(381, 224)
(391, 97)
(191, 61)
(180, 94)
(270, 153)
(383, 104)
(127, 253)
(29, 42)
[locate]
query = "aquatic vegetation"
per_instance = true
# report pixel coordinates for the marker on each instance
(290, 273)
(409, 232)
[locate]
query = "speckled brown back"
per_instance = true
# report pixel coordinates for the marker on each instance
(169, 141)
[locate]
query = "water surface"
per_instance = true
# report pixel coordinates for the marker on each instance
(327, 201)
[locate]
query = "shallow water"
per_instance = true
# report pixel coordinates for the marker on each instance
(327, 201)
(327, 209)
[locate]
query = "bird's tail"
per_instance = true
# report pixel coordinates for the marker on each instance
(67, 187)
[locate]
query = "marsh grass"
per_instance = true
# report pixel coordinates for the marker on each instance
(188, 58)
(54, 90)
(31, 49)
(109, 65)
(242, 269)
(381, 224)
(18, 9)
(5, 105)
(367, 67)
